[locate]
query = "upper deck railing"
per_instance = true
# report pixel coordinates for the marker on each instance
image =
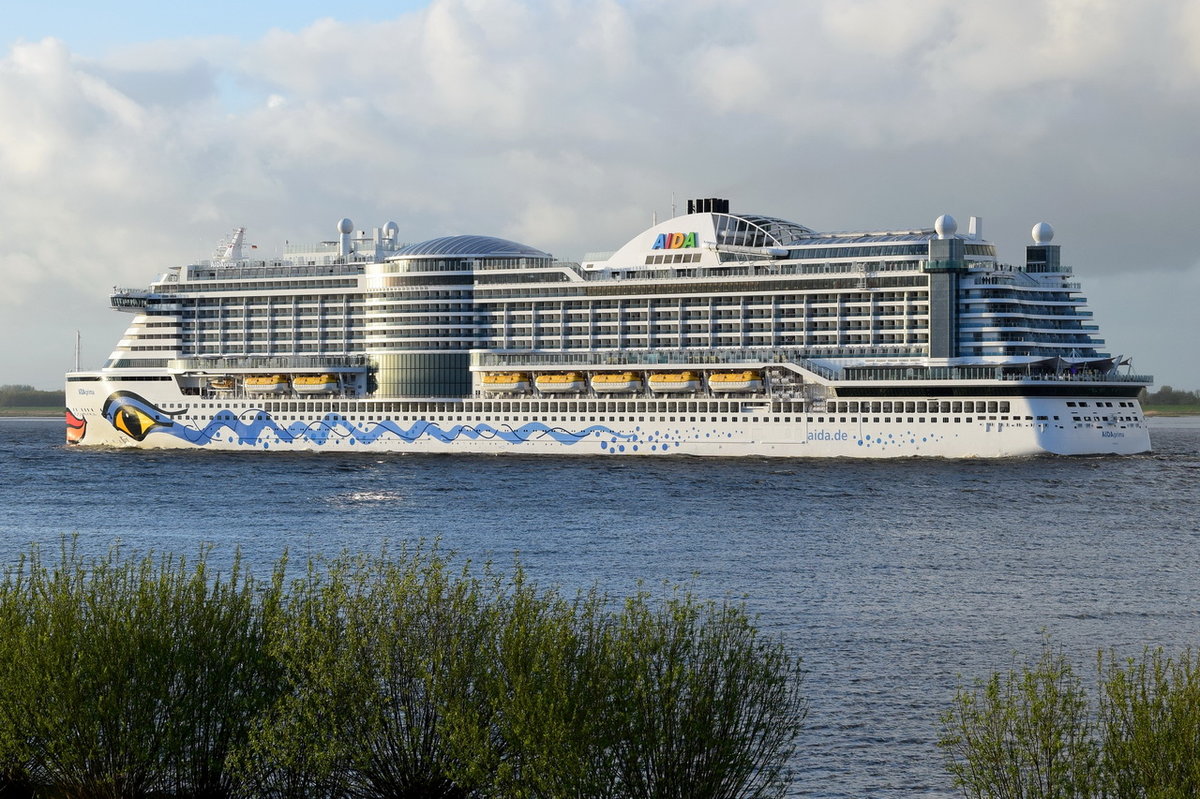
(801, 358)
(975, 373)
(676, 357)
(280, 362)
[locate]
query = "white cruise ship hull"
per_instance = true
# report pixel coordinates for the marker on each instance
(114, 413)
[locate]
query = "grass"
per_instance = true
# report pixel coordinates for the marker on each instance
(35, 410)
(1171, 410)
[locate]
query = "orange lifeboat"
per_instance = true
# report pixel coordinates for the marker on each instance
(506, 382)
(731, 382)
(267, 384)
(616, 382)
(561, 383)
(674, 382)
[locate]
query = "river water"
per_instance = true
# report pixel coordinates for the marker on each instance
(889, 578)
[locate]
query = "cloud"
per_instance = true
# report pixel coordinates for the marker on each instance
(566, 124)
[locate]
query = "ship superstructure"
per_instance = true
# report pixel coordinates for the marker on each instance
(713, 333)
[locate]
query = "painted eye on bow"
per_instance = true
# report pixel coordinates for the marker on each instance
(134, 422)
(133, 416)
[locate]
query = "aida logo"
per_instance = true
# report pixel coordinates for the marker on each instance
(674, 241)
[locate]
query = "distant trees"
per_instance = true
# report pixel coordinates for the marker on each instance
(385, 676)
(30, 397)
(1169, 396)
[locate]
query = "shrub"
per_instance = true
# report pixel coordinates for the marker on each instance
(126, 677)
(1150, 717)
(404, 678)
(1026, 734)
(386, 676)
(368, 651)
(710, 708)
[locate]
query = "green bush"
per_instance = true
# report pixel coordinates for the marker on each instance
(1150, 717)
(1025, 734)
(1033, 732)
(385, 676)
(370, 651)
(673, 697)
(711, 709)
(127, 677)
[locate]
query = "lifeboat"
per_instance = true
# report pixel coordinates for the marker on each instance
(674, 382)
(506, 382)
(725, 382)
(616, 382)
(221, 384)
(561, 383)
(267, 384)
(315, 384)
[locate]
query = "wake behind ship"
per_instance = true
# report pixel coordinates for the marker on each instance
(712, 333)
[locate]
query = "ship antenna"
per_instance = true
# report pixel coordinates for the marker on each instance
(76, 350)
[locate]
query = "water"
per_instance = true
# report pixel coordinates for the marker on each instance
(890, 579)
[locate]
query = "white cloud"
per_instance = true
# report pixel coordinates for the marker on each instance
(566, 123)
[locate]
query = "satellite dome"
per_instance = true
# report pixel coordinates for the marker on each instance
(945, 226)
(345, 226)
(1043, 233)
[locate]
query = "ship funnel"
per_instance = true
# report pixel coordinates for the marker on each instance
(708, 205)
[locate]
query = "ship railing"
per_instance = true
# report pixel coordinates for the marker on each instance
(278, 362)
(209, 270)
(514, 360)
(997, 373)
(1084, 377)
(801, 358)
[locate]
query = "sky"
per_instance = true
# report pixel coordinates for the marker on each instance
(136, 135)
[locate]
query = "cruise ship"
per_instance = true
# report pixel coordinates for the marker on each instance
(711, 333)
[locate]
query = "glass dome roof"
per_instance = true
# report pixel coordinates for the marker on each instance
(461, 246)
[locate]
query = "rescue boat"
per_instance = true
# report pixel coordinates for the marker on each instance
(561, 383)
(674, 382)
(616, 382)
(506, 382)
(315, 384)
(729, 382)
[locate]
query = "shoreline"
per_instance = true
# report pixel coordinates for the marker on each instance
(40, 413)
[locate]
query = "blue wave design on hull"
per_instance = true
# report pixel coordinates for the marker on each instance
(137, 418)
(335, 427)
